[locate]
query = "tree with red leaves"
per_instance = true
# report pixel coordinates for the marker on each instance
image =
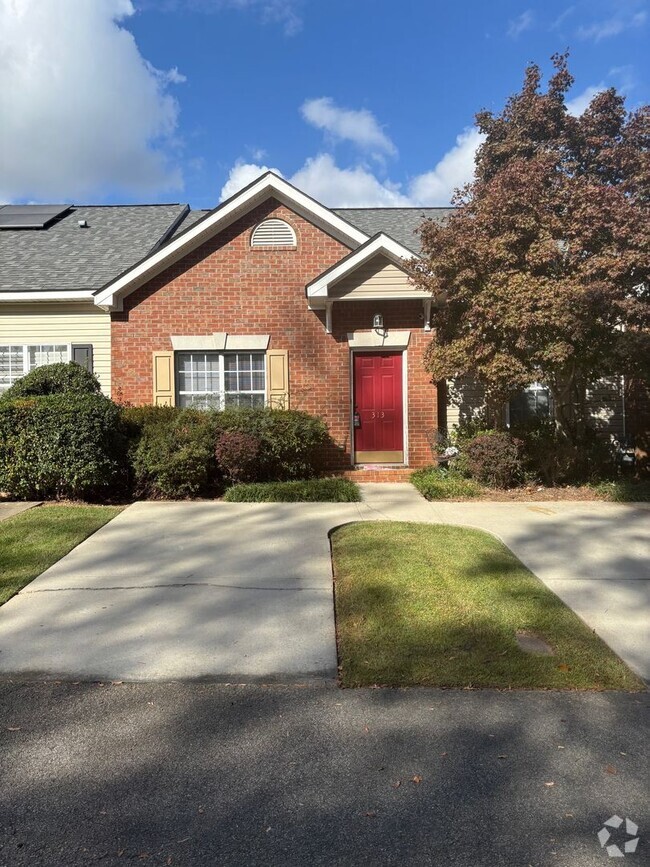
(543, 271)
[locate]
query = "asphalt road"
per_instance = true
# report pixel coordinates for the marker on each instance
(209, 774)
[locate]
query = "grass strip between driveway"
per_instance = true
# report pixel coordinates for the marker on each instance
(32, 541)
(434, 605)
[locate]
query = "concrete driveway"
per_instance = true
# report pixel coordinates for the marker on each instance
(242, 592)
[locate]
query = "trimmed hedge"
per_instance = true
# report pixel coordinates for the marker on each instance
(438, 483)
(62, 378)
(190, 453)
(61, 446)
(308, 491)
(173, 455)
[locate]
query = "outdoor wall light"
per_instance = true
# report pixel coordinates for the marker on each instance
(378, 321)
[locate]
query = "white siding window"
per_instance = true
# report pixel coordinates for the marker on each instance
(215, 380)
(532, 403)
(16, 361)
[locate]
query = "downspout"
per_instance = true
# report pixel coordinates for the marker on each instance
(623, 407)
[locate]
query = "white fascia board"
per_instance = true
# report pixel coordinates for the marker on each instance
(268, 185)
(395, 251)
(84, 295)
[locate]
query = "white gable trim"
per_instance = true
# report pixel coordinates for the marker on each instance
(269, 185)
(384, 244)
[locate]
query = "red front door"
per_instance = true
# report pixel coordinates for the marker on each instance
(378, 407)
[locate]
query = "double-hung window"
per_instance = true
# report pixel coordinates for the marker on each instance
(215, 380)
(532, 403)
(17, 360)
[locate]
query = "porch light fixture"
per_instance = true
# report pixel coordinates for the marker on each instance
(378, 322)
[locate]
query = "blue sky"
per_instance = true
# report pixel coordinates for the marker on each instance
(360, 102)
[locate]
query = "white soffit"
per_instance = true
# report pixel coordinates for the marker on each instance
(380, 244)
(379, 338)
(268, 186)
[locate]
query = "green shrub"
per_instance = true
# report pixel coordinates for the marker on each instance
(624, 490)
(174, 455)
(309, 491)
(237, 455)
(438, 483)
(494, 459)
(61, 378)
(62, 446)
(292, 443)
(549, 457)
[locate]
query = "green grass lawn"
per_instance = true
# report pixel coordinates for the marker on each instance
(34, 540)
(439, 606)
(307, 491)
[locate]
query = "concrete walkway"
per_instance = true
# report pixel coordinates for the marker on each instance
(244, 591)
(8, 510)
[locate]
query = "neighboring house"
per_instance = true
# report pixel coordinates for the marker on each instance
(270, 298)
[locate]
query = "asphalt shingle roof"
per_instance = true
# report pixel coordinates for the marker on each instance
(399, 223)
(66, 257)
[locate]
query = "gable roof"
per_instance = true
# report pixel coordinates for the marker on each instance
(64, 258)
(269, 185)
(400, 223)
(380, 244)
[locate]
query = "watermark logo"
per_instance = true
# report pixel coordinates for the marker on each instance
(605, 835)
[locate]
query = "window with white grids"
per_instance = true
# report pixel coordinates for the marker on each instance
(215, 380)
(17, 360)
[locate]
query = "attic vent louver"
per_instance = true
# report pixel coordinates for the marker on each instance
(273, 233)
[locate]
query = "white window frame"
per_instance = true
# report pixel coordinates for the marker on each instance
(25, 353)
(221, 394)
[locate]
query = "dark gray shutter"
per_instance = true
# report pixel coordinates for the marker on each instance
(82, 354)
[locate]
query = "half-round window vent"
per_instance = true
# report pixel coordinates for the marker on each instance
(273, 233)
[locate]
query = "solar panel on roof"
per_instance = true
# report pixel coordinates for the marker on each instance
(30, 216)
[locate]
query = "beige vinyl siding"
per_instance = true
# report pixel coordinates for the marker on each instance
(61, 322)
(465, 401)
(379, 276)
(605, 405)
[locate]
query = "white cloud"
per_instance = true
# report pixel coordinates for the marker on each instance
(358, 126)
(283, 12)
(518, 25)
(353, 187)
(242, 174)
(357, 187)
(321, 178)
(613, 26)
(82, 111)
(579, 103)
(454, 170)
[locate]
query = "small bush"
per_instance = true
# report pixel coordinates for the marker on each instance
(237, 455)
(292, 443)
(174, 455)
(624, 490)
(494, 459)
(437, 483)
(64, 378)
(549, 457)
(61, 446)
(309, 491)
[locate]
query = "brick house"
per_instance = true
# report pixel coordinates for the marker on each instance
(270, 298)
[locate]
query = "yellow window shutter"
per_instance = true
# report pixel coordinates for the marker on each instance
(163, 378)
(277, 378)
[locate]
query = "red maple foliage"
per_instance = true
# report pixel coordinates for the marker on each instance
(543, 271)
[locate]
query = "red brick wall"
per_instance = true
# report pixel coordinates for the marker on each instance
(227, 286)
